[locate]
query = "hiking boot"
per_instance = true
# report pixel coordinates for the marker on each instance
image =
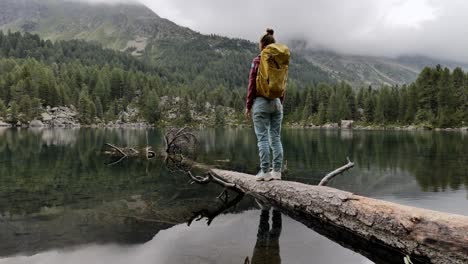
(276, 175)
(262, 176)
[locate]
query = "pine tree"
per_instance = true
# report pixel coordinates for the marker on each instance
(464, 103)
(350, 97)
(151, 110)
(14, 112)
(360, 98)
(99, 108)
(2, 87)
(86, 108)
(403, 105)
(332, 108)
(290, 100)
(220, 116)
(3, 108)
(381, 107)
(36, 107)
(322, 114)
(445, 100)
(344, 109)
(130, 88)
(427, 84)
(412, 107)
(393, 104)
(100, 92)
(17, 91)
(458, 83)
(185, 110)
(369, 106)
(25, 108)
(117, 84)
(323, 93)
(308, 106)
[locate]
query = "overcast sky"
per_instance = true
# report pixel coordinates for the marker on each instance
(436, 28)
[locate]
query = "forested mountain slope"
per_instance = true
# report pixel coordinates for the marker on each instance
(207, 60)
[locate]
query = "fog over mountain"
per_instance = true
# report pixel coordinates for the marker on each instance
(366, 27)
(106, 1)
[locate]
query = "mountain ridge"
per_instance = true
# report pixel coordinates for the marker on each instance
(135, 28)
(362, 70)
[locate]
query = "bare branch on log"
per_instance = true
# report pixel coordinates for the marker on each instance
(335, 173)
(225, 184)
(210, 177)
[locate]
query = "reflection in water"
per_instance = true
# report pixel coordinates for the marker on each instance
(267, 248)
(210, 215)
(228, 240)
(438, 161)
(380, 254)
(413, 165)
(57, 193)
(54, 188)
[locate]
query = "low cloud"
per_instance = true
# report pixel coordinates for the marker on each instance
(106, 1)
(367, 27)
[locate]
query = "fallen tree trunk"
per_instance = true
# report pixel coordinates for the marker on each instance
(422, 234)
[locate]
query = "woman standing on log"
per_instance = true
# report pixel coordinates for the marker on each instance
(265, 97)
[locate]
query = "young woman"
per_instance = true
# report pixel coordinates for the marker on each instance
(267, 117)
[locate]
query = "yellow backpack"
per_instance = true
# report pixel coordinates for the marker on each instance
(272, 73)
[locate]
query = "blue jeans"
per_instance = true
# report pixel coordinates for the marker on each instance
(267, 118)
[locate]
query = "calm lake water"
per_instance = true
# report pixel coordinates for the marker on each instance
(61, 203)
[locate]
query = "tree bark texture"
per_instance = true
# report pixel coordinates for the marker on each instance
(424, 234)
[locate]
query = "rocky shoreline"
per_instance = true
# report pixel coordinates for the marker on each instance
(351, 125)
(67, 117)
(172, 112)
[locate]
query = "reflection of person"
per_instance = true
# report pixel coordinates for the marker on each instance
(267, 118)
(267, 250)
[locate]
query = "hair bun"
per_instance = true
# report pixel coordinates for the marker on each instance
(270, 31)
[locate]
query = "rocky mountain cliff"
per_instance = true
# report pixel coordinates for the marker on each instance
(371, 70)
(117, 26)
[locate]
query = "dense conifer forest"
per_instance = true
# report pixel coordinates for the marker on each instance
(100, 83)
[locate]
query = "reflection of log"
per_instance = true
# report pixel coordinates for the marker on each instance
(210, 215)
(374, 251)
(420, 233)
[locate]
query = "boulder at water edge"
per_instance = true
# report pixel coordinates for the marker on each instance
(36, 123)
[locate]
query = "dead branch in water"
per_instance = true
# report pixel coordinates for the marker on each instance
(122, 153)
(179, 141)
(180, 156)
